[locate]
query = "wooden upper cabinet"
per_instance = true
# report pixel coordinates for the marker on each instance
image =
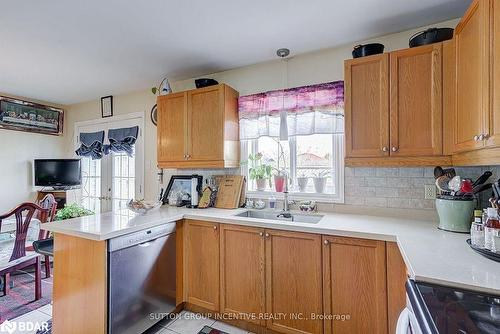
(367, 106)
(242, 277)
(354, 283)
(209, 126)
(472, 37)
(494, 126)
(293, 282)
(172, 125)
(416, 115)
(202, 264)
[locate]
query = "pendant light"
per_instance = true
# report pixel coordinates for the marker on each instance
(283, 53)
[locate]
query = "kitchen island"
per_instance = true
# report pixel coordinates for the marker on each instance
(80, 290)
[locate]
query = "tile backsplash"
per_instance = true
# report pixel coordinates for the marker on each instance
(399, 187)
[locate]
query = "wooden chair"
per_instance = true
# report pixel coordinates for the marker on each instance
(49, 203)
(20, 258)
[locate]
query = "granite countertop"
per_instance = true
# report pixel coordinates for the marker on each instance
(431, 255)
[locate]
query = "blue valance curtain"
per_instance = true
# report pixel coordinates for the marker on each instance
(91, 145)
(120, 140)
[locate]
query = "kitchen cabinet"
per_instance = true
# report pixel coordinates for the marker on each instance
(472, 38)
(367, 106)
(242, 275)
(416, 115)
(198, 128)
(293, 281)
(354, 284)
(394, 108)
(396, 280)
(201, 261)
(493, 140)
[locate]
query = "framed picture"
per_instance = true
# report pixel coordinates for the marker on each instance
(179, 190)
(27, 116)
(107, 106)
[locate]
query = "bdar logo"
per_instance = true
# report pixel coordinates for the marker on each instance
(8, 326)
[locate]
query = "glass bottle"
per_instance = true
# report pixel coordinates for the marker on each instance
(491, 226)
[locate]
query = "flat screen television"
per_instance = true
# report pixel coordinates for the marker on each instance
(58, 173)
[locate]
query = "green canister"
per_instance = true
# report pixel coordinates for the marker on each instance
(455, 215)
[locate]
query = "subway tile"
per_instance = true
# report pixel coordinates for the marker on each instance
(428, 172)
(354, 200)
(389, 172)
(360, 191)
(386, 192)
(399, 182)
(402, 203)
(422, 203)
(364, 171)
(376, 202)
(376, 181)
(411, 172)
(355, 181)
(349, 171)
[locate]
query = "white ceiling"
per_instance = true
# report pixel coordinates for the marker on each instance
(67, 51)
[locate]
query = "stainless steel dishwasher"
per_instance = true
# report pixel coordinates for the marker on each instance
(141, 280)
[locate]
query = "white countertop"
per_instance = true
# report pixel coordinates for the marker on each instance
(431, 255)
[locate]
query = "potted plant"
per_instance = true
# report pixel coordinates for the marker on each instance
(319, 180)
(259, 171)
(72, 211)
(302, 181)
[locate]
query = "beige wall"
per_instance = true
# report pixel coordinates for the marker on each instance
(17, 151)
(316, 67)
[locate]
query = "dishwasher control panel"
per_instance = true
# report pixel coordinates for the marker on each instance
(140, 237)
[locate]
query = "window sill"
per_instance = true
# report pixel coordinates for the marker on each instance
(299, 196)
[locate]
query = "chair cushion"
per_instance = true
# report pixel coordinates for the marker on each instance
(6, 248)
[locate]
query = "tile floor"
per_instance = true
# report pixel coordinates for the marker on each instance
(184, 323)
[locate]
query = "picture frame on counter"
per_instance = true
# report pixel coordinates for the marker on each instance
(178, 191)
(20, 115)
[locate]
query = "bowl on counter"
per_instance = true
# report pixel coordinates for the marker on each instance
(142, 207)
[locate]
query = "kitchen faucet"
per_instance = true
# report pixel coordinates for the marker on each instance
(286, 209)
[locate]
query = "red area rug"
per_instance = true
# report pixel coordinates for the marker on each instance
(20, 299)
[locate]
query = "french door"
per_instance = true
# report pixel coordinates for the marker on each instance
(109, 183)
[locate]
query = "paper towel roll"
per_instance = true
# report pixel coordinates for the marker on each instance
(194, 191)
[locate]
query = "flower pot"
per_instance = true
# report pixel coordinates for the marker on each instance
(319, 184)
(279, 183)
(302, 182)
(261, 184)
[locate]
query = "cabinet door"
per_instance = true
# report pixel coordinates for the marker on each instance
(172, 122)
(242, 271)
(202, 264)
(293, 282)
(416, 115)
(354, 284)
(396, 280)
(472, 107)
(206, 121)
(494, 126)
(367, 106)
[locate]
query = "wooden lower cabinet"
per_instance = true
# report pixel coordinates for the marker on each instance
(293, 282)
(396, 280)
(354, 284)
(242, 278)
(202, 264)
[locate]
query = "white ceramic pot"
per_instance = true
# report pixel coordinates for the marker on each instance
(319, 184)
(302, 182)
(261, 184)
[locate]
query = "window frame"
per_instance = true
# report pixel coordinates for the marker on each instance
(338, 167)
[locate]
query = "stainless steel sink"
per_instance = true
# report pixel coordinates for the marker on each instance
(298, 218)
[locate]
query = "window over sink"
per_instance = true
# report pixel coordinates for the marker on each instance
(298, 134)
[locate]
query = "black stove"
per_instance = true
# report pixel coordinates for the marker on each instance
(450, 310)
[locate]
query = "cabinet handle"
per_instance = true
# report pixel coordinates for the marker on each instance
(261, 234)
(188, 156)
(481, 137)
(486, 136)
(385, 149)
(326, 242)
(394, 149)
(215, 227)
(267, 235)
(476, 138)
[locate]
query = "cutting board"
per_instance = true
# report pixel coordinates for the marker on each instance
(231, 191)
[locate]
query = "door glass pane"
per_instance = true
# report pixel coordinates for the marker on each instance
(91, 184)
(123, 188)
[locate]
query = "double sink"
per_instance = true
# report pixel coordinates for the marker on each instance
(282, 216)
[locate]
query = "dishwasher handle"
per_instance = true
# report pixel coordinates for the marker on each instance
(146, 244)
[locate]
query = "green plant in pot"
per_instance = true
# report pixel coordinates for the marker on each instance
(319, 180)
(259, 171)
(72, 211)
(302, 181)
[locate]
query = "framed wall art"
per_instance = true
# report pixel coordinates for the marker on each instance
(107, 106)
(27, 116)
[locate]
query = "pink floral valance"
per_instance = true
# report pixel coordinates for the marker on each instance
(292, 112)
(327, 97)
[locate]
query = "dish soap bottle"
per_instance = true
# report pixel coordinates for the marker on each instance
(490, 228)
